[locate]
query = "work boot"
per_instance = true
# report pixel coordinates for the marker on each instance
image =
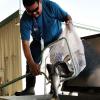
(26, 92)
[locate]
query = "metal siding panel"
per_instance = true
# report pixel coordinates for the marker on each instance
(11, 53)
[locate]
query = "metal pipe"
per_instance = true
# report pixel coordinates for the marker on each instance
(14, 80)
(19, 78)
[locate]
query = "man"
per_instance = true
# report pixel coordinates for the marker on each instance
(41, 19)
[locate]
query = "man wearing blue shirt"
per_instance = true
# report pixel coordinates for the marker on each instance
(41, 19)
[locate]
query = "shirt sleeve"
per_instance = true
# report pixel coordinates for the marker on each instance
(58, 12)
(24, 29)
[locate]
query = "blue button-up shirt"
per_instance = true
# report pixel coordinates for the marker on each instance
(47, 25)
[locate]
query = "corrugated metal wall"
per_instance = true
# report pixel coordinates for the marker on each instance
(10, 55)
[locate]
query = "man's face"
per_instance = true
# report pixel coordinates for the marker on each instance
(35, 9)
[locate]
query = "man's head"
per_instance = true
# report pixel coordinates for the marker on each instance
(33, 7)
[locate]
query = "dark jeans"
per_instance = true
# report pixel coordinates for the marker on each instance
(35, 48)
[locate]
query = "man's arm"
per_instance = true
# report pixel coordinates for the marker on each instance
(68, 21)
(34, 68)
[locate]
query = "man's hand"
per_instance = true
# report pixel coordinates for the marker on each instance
(35, 69)
(69, 23)
(68, 19)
